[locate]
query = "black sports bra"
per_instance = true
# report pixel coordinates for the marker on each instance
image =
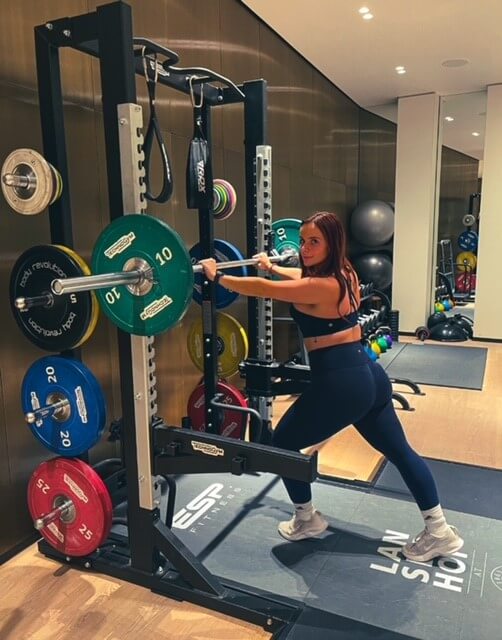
(312, 326)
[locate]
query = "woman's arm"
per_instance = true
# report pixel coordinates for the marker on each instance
(285, 273)
(264, 263)
(304, 290)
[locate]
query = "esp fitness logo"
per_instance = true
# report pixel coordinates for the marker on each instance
(204, 507)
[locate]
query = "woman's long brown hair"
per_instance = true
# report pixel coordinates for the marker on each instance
(337, 262)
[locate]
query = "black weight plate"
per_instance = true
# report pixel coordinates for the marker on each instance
(64, 323)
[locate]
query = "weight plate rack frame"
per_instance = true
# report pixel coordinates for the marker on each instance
(107, 33)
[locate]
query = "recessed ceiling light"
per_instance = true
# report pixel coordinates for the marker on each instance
(368, 16)
(399, 68)
(401, 71)
(475, 133)
(455, 62)
(364, 10)
(449, 119)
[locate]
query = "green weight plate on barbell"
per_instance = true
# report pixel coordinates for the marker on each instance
(287, 234)
(140, 241)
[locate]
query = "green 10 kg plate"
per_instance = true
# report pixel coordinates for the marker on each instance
(287, 234)
(139, 241)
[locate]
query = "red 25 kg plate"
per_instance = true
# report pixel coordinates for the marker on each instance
(83, 528)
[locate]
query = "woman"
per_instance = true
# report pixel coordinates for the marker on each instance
(347, 387)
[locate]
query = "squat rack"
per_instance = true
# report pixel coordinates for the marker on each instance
(151, 555)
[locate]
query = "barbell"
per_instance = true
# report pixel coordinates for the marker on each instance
(139, 280)
(143, 275)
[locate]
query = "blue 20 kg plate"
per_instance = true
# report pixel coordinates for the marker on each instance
(223, 252)
(468, 240)
(76, 427)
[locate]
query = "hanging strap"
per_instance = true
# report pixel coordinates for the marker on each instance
(152, 131)
(197, 109)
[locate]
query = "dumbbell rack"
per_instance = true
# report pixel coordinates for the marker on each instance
(151, 555)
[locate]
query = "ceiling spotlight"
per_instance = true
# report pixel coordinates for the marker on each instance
(476, 133)
(364, 10)
(368, 16)
(399, 68)
(449, 119)
(401, 71)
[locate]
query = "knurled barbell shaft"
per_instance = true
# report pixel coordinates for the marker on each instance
(61, 286)
(102, 281)
(42, 412)
(197, 268)
(36, 301)
(53, 515)
(13, 180)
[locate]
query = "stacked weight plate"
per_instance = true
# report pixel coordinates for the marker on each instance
(29, 183)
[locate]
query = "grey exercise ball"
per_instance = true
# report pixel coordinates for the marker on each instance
(374, 267)
(372, 223)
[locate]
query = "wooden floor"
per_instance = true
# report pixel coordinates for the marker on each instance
(346, 455)
(42, 600)
(460, 425)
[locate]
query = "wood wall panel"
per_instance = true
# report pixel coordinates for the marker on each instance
(313, 128)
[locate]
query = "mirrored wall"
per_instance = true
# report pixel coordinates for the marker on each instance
(460, 194)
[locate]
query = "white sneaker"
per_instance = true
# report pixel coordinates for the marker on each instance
(296, 529)
(427, 546)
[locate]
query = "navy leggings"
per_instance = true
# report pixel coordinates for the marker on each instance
(346, 388)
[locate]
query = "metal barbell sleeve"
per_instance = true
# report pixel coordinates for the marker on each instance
(61, 286)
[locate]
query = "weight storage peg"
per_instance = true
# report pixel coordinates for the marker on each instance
(30, 183)
(143, 274)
